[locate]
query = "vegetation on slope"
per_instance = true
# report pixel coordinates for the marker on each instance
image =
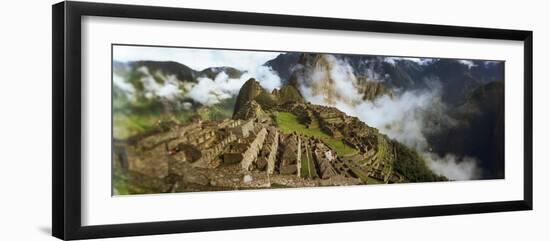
(133, 118)
(289, 123)
(411, 165)
(288, 93)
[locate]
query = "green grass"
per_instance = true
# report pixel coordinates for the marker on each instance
(307, 170)
(340, 147)
(304, 168)
(131, 118)
(120, 184)
(382, 147)
(289, 123)
(359, 173)
(125, 125)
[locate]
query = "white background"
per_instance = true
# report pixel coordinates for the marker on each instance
(100, 208)
(26, 127)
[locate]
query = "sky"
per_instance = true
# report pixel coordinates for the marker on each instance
(197, 59)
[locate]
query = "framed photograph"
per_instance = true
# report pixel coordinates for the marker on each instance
(169, 120)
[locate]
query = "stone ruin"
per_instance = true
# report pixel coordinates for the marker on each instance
(268, 154)
(230, 148)
(250, 155)
(291, 155)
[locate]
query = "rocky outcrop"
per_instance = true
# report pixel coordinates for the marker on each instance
(371, 90)
(288, 93)
(333, 79)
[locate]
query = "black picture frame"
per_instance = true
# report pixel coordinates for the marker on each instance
(66, 127)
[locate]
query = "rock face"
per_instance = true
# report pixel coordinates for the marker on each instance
(283, 64)
(334, 80)
(314, 72)
(372, 90)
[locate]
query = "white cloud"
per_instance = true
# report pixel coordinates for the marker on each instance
(206, 91)
(267, 78)
(122, 84)
(453, 167)
(468, 63)
(168, 89)
(402, 117)
(211, 91)
(316, 86)
(421, 61)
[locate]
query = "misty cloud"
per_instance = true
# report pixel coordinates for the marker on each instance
(452, 166)
(123, 85)
(405, 116)
(267, 78)
(207, 91)
(169, 89)
(212, 91)
(335, 86)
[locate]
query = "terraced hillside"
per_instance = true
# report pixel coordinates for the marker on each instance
(273, 140)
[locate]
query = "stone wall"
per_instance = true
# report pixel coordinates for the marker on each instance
(235, 152)
(290, 155)
(213, 152)
(251, 154)
(299, 157)
(244, 129)
(323, 156)
(268, 154)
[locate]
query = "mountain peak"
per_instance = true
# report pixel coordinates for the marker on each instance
(248, 92)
